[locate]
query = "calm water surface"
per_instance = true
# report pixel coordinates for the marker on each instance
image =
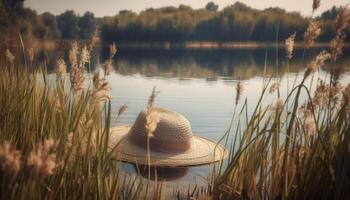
(200, 84)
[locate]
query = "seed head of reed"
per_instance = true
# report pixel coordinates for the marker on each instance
(301, 152)
(311, 34)
(317, 63)
(289, 45)
(274, 87)
(112, 50)
(61, 68)
(346, 98)
(152, 97)
(326, 94)
(69, 142)
(342, 20)
(9, 158)
(310, 125)
(336, 46)
(84, 57)
(9, 56)
(121, 110)
(73, 53)
(30, 53)
(315, 5)
(77, 79)
(152, 120)
(94, 40)
(42, 160)
(239, 90)
(100, 91)
(277, 104)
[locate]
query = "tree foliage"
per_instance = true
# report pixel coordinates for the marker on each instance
(237, 22)
(211, 6)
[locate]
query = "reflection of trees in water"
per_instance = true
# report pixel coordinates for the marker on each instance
(181, 69)
(211, 64)
(190, 63)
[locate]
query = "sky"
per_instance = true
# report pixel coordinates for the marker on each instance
(111, 7)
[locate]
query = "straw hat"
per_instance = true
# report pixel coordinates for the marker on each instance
(172, 144)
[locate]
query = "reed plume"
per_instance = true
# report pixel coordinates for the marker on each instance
(77, 71)
(315, 5)
(310, 125)
(73, 54)
(84, 58)
(112, 50)
(30, 53)
(9, 158)
(94, 40)
(42, 160)
(317, 63)
(289, 45)
(239, 90)
(108, 65)
(274, 87)
(346, 98)
(277, 104)
(100, 91)
(336, 46)
(152, 120)
(152, 117)
(341, 22)
(311, 34)
(9, 56)
(61, 68)
(121, 110)
(152, 97)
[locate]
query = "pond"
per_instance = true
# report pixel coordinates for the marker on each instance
(200, 84)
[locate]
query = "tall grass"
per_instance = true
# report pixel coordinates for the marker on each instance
(54, 139)
(295, 149)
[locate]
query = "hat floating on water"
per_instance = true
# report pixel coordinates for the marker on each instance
(172, 144)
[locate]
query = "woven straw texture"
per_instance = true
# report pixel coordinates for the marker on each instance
(203, 151)
(172, 126)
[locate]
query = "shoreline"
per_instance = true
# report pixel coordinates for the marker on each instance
(214, 45)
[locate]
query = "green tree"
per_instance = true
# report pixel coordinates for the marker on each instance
(68, 25)
(50, 23)
(87, 25)
(211, 6)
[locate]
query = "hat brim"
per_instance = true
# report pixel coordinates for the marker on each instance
(203, 151)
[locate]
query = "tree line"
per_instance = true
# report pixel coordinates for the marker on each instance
(237, 22)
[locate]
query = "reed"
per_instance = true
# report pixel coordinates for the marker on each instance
(300, 151)
(54, 135)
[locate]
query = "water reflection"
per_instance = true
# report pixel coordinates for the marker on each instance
(211, 64)
(162, 173)
(197, 63)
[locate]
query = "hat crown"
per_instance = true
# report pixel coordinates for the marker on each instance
(172, 126)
